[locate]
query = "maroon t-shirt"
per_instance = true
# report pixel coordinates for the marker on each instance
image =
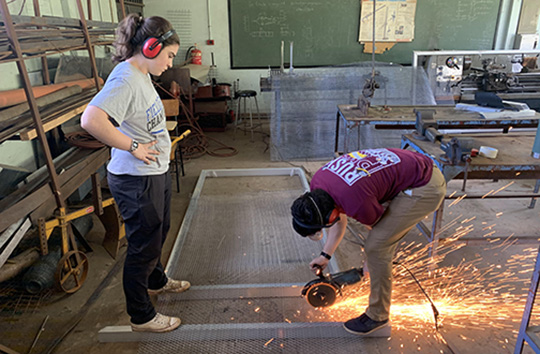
(361, 181)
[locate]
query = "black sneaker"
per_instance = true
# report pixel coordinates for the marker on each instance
(363, 325)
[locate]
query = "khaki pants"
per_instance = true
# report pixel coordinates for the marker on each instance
(402, 214)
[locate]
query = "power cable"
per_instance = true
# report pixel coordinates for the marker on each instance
(83, 140)
(201, 144)
(433, 307)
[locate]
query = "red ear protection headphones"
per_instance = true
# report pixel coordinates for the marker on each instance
(152, 46)
(331, 218)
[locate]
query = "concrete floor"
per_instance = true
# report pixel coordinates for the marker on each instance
(506, 268)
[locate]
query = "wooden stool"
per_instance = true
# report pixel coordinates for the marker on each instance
(245, 95)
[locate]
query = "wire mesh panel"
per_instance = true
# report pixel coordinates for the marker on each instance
(245, 238)
(241, 235)
(304, 105)
(471, 292)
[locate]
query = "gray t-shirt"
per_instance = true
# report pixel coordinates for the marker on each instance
(131, 100)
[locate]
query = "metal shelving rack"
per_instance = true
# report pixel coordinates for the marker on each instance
(73, 264)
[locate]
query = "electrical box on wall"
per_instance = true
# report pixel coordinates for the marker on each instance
(526, 41)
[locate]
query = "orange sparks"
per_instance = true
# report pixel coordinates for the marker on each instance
(504, 187)
(270, 341)
(468, 292)
(488, 193)
(489, 227)
(458, 200)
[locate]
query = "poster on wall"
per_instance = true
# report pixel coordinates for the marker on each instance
(394, 21)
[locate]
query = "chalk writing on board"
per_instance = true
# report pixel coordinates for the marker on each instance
(261, 34)
(326, 32)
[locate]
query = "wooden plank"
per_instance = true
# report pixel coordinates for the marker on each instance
(84, 170)
(38, 179)
(34, 47)
(25, 206)
(53, 21)
(15, 168)
(11, 57)
(5, 236)
(7, 350)
(18, 231)
(11, 213)
(172, 107)
(15, 111)
(30, 134)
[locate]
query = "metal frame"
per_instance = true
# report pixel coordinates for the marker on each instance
(225, 291)
(246, 172)
(238, 331)
(526, 333)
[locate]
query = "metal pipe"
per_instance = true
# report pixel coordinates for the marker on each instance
(89, 46)
(209, 20)
(291, 58)
(282, 63)
(507, 196)
(373, 43)
(44, 65)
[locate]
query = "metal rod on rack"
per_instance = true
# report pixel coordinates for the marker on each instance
(89, 6)
(373, 41)
(123, 10)
(44, 66)
(12, 35)
(88, 42)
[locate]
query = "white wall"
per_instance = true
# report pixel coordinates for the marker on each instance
(198, 11)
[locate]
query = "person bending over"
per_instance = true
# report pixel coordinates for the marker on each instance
(387, 190)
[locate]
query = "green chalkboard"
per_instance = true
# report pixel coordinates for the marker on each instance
(325, 32)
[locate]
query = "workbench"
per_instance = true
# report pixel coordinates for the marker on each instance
(513, 161)
(403, 118)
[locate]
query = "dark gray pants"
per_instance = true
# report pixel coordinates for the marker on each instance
(144, 202)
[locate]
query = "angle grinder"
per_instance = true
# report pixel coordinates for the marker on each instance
(322, 292)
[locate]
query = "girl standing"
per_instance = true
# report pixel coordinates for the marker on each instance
(138, 172)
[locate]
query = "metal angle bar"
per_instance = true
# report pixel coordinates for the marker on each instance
(231, 291)
(229, 332)
(18, 232)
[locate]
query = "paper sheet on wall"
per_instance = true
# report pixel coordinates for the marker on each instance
(394, 21)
